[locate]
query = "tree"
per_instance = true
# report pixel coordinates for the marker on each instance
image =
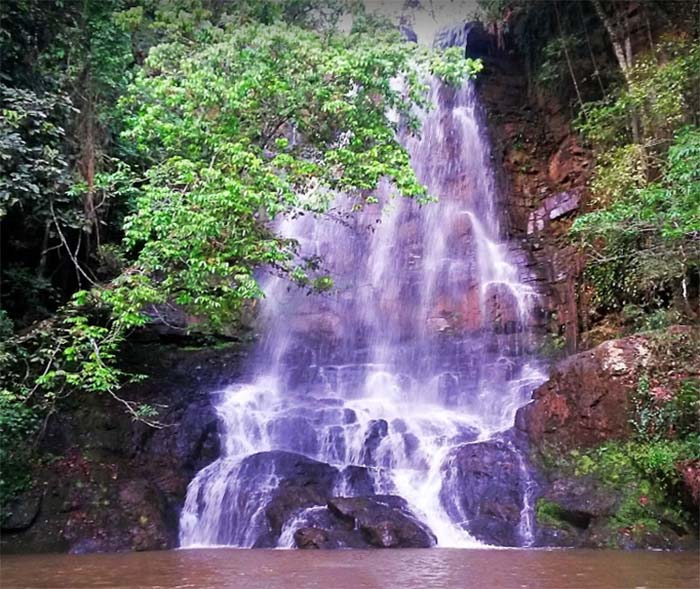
(619, 30)
(228, 120)
(248, 126)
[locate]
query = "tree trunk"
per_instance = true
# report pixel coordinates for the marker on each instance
(568, 60)
(622, 45)
(621, 39)
(41, 271)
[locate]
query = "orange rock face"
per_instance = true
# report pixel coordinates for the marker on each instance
(586, 401)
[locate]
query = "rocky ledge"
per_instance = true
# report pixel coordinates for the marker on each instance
(593, 489)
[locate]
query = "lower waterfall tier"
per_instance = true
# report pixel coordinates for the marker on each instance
(288, 458)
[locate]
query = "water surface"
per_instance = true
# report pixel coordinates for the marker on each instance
(356, 569)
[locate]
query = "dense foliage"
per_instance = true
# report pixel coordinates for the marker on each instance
(146, 150)
(630, 74)
(646, 190)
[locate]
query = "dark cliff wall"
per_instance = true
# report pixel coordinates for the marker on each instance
(108, 483)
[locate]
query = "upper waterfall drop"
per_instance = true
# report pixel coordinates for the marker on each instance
(423, 347)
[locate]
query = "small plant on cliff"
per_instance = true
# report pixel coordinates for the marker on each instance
(662, 412)
(549, 514)
(553, 346)
(666, 404)
(18, 424)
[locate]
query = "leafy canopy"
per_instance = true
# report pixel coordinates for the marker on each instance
(255, 123)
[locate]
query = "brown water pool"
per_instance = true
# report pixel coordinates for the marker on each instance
(357, 569)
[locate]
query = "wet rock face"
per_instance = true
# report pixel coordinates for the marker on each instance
(380, 521)
(114, 484)
(376, 433)
(356, 481)
(586, 401)
(303, 507)
(302, 483)
(483, 487)
(384, 521)
(545, 171)
(501, 309)
(195, 440)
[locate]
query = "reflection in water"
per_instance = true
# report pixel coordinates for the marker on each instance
(357, 569)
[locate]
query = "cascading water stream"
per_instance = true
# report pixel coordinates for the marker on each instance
(422, 348)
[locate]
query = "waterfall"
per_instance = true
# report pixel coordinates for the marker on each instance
(423, 346)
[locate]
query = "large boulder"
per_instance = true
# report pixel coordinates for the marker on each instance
(21, 512)
(301, 510)
(483, 487)
(268, 490)
(280, 498)
(320, 528)
(586, 400)
(385, 521)
(379, 521)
